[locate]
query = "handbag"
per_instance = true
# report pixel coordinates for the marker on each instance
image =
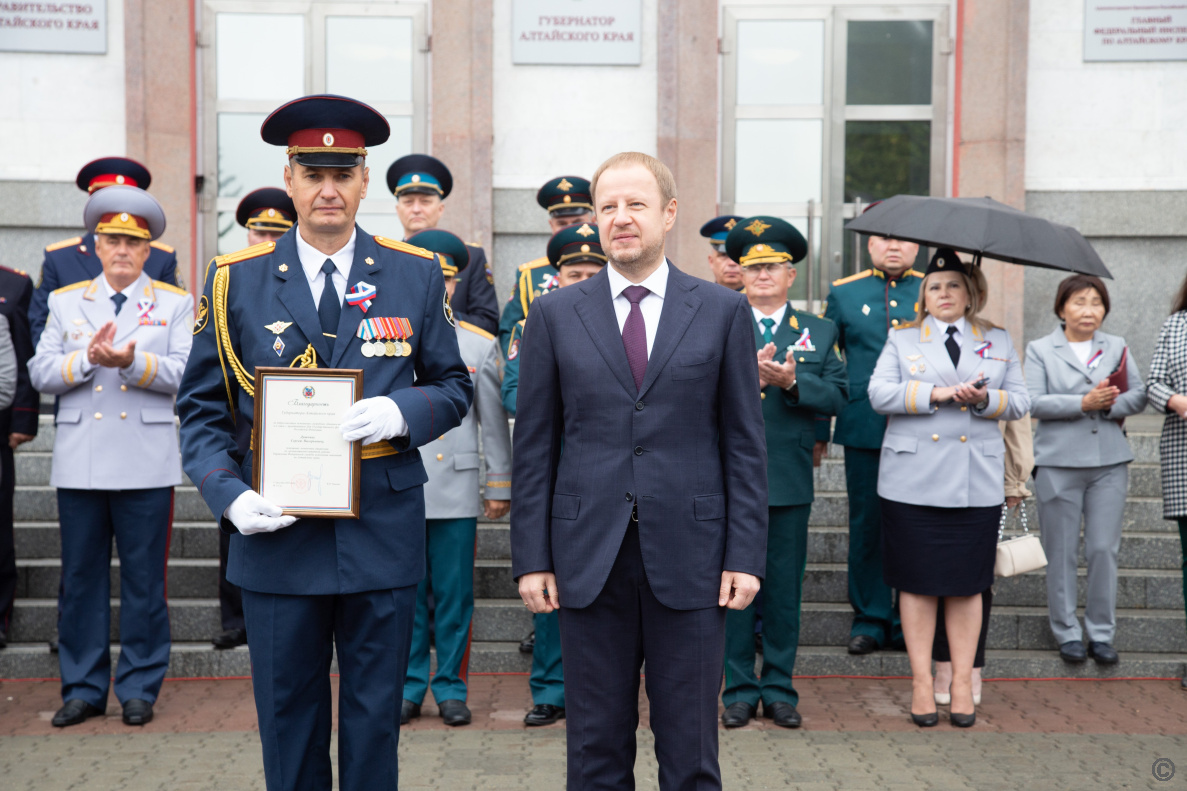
(1020, 554)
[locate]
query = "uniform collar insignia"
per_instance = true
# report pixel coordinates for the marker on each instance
(794, 322)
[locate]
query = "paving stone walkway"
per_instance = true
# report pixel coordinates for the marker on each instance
(1029, 735)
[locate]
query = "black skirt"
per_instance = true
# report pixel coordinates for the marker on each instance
(939, 551)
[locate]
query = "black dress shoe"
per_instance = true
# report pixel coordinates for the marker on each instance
(962, 720)
(544, 714)
(454, 712)
(737, 715)
(528, 644)
(926, 720)
(1073, 651)
(862, 644)
(232, 638)
(74, 712)
(783, 714)
(1103, 653)
(3, 640)
(137, 712)
(409, 711)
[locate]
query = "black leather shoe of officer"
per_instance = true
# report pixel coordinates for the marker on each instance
(783, 714)
(543, 714)
(926, 720)
(528, 644)
(963, 720)
(454, 712)
(74, 712)
(1103, 653)
(1073, 651)
(232, 638)
(137, 712)
(862, 644)
(737, 715)
(409, 711)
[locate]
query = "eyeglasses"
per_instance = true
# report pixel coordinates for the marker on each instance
(770, 269)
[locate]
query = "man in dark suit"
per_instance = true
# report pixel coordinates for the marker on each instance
(639, 489)
(74, 260)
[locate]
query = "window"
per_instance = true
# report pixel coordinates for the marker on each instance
(827, 109)
(262, 54)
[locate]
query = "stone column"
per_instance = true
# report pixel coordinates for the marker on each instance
(688, 104)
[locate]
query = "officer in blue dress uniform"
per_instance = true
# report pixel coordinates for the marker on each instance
(866, 307)
(267, 214)
(18, 424)
(421, 184)
(328, 295)
(73, 260)
(575, 253)
(726, 271)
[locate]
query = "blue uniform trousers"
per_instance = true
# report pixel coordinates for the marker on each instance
(450, 545)
(783, 592)
(874, 613)
(292, 641)
(547, 679)
(141, 521)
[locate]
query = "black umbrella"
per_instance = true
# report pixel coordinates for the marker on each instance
(982, 227)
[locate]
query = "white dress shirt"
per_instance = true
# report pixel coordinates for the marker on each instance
(1083, 350)
(777, 316)
(651, 305)
(127, 292)
(312, 259)
(943, 326)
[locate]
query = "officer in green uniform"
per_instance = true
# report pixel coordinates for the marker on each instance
(568, 202)
(865, 307)
(576, 254)
(801, 375)
(726, 271)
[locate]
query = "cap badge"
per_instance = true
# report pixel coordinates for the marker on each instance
(124, 217)
(585, 248)
(271, 212)
(564, 185)
(757, 227)
(568, 199)
(729, 226)
(119, 179)
(585, 230)
(940, 263)
(415, 178)
(327, 139)
(758, 248)
(278, 327)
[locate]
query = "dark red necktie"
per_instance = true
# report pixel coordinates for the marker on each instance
(634, 334)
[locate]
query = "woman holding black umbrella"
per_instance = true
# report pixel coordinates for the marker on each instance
(945, 381)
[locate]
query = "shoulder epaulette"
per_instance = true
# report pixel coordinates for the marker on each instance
(161, 246)
(473, 244)
(476, 330)
(908, 326)
(851, 278)
(403, 247)
(915, 273)
(72, 287)
(535, 264)
(20, 272)
(163, 286)
(255, 251)
(71, 242)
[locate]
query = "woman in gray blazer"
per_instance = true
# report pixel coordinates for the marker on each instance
(1082, 461)
(945, 380)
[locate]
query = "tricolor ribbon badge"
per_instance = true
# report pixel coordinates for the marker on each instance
(982, 349)
(1094, 360)
(804, 344)
(144, 309)
(361, 295)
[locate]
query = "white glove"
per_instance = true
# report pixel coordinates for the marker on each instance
(372, 420)
(251, 513)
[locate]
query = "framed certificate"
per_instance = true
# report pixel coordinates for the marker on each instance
(302, 464)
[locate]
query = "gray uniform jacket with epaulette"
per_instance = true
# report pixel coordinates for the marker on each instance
(452, 460)
(115, 426)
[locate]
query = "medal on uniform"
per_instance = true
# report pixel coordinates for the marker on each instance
(368, 331)
(982, 349)
(914, 369)
(278, 347)
(1095, 359)
(144, 309)
(865, 309)
(361, 295)
(804, 344)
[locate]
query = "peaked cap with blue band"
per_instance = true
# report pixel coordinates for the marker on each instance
(577, 244)
(124, 211)
(452, 252)
(765, 240)
(112, 171)
(565, 196)
(419, 173)
(718, 228)
(266, 209)
(325, 130)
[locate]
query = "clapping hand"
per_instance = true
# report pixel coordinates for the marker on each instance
(1100, 397)
(101, 352)
(765, 354)
(782, 374)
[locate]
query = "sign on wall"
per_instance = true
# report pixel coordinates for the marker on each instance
(577, 32)
(1128, 30)
(52, 26)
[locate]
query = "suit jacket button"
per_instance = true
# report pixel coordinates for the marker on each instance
(123, 415)
(98, 416)
(964, 409)
(894, 322)
(124, 388)
(964, 439)
(894, 303)
(762, 396)
(935, 437)
(440, 457)
(1094, 431)
(638, 450)
(98, 388)
(629, 497)
(638, 406)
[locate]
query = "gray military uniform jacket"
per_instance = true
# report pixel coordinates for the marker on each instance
(1057, 380)
(115, 427)
(949, 455)
(452, 459)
